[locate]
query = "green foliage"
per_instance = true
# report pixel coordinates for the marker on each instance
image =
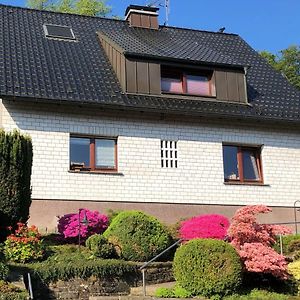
(96, 8)
(25, 245)
(289, 243)
(15, 172)
(163, 292)
(286, 62)
(207, 267)
(137, 236)
(180, 292)
(259, 295)
(11, 292)
(99, 246)
(67, 262)
(3, 271)
(111, 214)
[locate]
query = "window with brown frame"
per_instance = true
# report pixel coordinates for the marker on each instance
(93, 154)
(186, 82)
(242, 164)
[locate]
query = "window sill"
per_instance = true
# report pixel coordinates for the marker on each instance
(246, 183)
(113, 173)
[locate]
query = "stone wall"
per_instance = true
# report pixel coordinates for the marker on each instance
(82, 289)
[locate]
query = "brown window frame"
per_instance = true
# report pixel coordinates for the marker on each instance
(242, 180)
(174, 72)
(92, 167)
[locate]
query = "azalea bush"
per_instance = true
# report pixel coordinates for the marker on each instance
(24, 245)
(254, 241)
(68, 225)
(204, 226)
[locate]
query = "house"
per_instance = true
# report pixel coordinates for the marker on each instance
(127, 114)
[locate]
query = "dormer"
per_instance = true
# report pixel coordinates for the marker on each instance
(185, 71)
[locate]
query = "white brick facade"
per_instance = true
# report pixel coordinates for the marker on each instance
(198, 178)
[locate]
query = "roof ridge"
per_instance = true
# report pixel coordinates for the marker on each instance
(58, 12)
(112, 19)
(200, 30)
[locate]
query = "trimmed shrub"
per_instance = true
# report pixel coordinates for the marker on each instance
(254, 241)
(259, 295)
(163, 292)
(137, 236)
(99, 246)
(207, 267)
(290, 244)
(15, 172)
(68, 225)
(24, 245)
(204, 226)
(3, 271)
(11, 292)
(294, 269)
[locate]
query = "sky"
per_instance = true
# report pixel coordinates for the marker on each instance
(270, 25)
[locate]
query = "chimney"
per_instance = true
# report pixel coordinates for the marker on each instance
(142, 16)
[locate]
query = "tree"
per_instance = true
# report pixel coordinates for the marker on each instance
(96, 8)
(15, 173)
(287, 61)
(254, 241)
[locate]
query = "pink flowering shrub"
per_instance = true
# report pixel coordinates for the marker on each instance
(204, 226)
(254, 241)
(68, 225)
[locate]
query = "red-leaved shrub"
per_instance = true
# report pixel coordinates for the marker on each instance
(204, 226)
(254, 241)
(68, 225)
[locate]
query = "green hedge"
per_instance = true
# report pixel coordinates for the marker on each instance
(137, 236)
(207, 267)
(15, 172)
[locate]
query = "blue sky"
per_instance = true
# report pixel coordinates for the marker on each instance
(265, 24)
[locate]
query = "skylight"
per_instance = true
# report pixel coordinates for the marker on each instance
(59, 31)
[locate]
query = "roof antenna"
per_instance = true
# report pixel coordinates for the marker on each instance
(166, 5)
(222, 29)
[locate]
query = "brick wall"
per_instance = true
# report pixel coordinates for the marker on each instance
(198, 178)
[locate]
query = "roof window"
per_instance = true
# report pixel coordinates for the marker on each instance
(59, 31)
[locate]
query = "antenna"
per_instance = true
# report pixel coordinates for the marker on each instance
(167, 9)
(166, 5)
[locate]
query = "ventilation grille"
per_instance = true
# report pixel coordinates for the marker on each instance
(169, 157)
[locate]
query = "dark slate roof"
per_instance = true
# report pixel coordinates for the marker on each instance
(38, 68)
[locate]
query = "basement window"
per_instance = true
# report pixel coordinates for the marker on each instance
(242, 164)
(187, 82)
(93, 154)
(59, 31)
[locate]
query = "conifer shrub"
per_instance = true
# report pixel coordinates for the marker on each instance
(99, 246)
(15, 173)
(204, 226)
(207, 267)
(137, 236)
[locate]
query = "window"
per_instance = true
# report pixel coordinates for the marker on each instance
(189, 82)
(242, 164)
(59, 31)
(168, 154)
(93, 154)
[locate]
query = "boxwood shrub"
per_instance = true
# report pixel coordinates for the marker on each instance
(207, 267)
(99, 246)
(137, 236)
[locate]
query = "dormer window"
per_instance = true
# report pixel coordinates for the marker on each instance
(186, 82)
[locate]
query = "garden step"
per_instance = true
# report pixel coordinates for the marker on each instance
(150, 289)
